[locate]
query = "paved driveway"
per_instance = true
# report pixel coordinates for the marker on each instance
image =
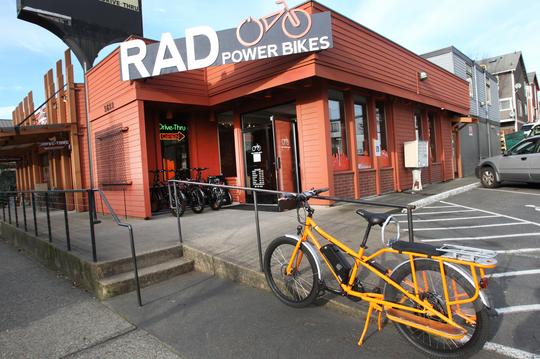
(506, 220)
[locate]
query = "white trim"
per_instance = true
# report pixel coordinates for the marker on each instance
(47, 13)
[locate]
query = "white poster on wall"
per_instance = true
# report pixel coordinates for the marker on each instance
(378, 148)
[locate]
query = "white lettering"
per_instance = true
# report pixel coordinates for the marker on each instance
(302, 46)
(237, 56)
(261, 52)
(272, 50)
(134, 59)
(250, 53)
(287, 48)
(167, 43)
(225, 57)
(313, 44)
(325, 44)
(207, 31)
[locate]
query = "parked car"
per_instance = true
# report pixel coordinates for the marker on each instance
(531, 129)
(521, 163)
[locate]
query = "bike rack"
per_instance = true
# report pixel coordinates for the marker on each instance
(255, 191)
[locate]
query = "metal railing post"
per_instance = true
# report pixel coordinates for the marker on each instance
(24, 212)
(410, 224)
(257, 227)
(135, 268)
(68, 239)
(16, 212)
(177, 213)
(91, 209)
(48, 215)
(9, 208)
(3, 211)
(34, 213)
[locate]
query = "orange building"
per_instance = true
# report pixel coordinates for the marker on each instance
(336, 118)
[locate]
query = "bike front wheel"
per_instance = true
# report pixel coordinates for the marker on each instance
(473, 317)
(298, 289)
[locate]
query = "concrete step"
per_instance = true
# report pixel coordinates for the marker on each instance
(119, 266)
(125, 282)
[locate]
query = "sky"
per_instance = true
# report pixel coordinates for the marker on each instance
(479, 28)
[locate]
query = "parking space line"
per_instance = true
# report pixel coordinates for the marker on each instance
(435, 207)
(442, 212)
(513, 192)
(450, 219)
(498, 214)
(509, 351)
(519, 309)
(483, 237)
(515, 273)
(522, 250)
(465, 227)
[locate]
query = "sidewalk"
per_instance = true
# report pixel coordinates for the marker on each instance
(222, 242)
(43, 316)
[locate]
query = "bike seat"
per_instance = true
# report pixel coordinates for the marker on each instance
(373, 218)
(423, 248)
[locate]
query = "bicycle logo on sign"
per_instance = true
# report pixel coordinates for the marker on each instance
(256, 148)
(289, 17)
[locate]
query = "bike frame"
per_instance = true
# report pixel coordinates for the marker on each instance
(376, 300)
(277, 15)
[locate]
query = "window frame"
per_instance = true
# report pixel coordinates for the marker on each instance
(364, 159)
(338, 165)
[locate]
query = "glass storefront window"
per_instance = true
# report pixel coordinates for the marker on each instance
(227, 149)
(432, 138)
(338, 132)
(362, 133)
(174, 146)
(381, 147)
(418, 125)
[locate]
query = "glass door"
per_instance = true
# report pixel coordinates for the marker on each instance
(270, 151)
(286, 155)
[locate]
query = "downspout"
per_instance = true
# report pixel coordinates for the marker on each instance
(514, 101)
(479, 153)
(488, 125)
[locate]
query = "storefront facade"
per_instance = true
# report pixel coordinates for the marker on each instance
(334, 118)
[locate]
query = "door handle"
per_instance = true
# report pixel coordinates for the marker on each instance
(524, 158)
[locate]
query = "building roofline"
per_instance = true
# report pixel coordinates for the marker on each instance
(467, 59)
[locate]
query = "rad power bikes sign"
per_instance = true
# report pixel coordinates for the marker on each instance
(285, 32)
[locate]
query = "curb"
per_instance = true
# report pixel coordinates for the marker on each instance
(443, 195)
(222, 268)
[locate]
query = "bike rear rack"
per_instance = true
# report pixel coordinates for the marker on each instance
(470, 254)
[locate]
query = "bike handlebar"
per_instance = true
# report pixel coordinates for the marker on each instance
(306, 195)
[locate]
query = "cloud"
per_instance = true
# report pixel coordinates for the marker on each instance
(6, 112)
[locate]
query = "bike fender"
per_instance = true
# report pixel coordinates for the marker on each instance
(460, 270)
(311, 250)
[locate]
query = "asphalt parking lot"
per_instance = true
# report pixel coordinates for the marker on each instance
(506, 220)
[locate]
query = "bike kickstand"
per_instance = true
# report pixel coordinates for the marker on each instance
(372, 306)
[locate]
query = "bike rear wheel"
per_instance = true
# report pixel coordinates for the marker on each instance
(300, 288)
(196, 200)
(178, 203)
(215, 198)
(473, 317)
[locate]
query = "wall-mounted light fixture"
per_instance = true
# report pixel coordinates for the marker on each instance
(422, 75)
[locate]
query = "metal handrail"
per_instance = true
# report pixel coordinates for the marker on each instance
(91, 208)
(255, 191)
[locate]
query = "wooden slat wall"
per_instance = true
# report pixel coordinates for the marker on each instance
(313, 139)
(128, 116)
(366, 59)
